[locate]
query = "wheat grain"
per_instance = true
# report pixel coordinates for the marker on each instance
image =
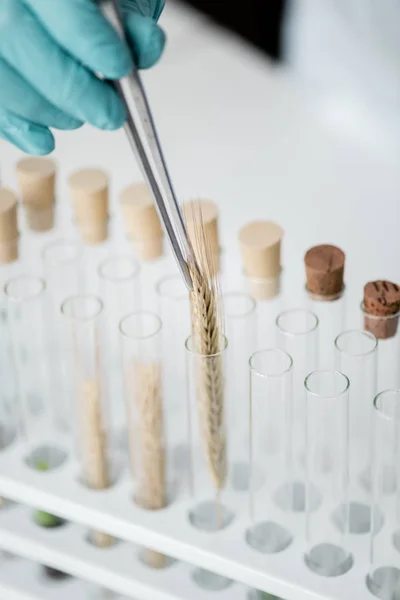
(146, 430)
(207, 339)
(94, 448)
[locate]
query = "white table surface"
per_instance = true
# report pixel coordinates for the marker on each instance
(236, 129)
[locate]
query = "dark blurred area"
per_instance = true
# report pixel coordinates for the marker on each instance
(258, 21)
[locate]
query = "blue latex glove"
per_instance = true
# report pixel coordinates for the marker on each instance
(50, 51)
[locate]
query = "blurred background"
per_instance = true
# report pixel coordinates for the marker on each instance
(345, 52)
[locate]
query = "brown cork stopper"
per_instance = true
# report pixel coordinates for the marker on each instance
(89, 193)
(325, 271)
(142, 222)
(381, 308)
(37, 179)
(260, 245)
(8, 226)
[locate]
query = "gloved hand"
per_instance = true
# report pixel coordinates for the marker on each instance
(50, 51)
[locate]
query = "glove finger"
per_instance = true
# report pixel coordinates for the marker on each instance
(31, 105)
(29, 49)
(81, 29)
(147, 8)
(27, 136)
(146, 38)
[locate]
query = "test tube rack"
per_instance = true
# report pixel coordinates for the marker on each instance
(225, 552)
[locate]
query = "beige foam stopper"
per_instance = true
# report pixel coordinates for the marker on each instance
(8, 226)
(37, 179)
(142, 221)
(260, 245)
(89, 194)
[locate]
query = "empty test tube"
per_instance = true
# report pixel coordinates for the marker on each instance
(173, 305)
(62, 263)
(148, 443)
(26, 307)
(271, 383)
(241, 331)
(356, 357)
(384, 572)
(327, 459)
(297, 333)
(119, 279)
(88, 392)
(380, 313)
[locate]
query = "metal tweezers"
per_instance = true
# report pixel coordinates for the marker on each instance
(143, 138)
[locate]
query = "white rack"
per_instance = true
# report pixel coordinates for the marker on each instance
(117, 568)
(21, 579)
(169, 531)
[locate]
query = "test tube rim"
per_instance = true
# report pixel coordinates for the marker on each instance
(167, 278)
(364, 333)
(395, 315)
(140, 337)
(343, 392)
(60, 243)
(250, 311)
(379, 410)
(132, 275)
(206, 356)
(297, 333)
(270, 375)
(12, 298)
(74, 318)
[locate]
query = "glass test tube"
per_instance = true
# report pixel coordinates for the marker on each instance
(327, 460)
(174, 310)
(271, 379)
(120, 292)
(62, 263)
(8, 389)
(384, 573)
(155, 260)
(297, 333)
(150, 460)
(87, 388)
(356, 357)
(26, 311)
(241, 331)
(210, 468)
(331, 313)
(387, 331)
(269, 297)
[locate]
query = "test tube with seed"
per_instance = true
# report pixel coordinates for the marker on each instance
(87, 387)
(149, 450)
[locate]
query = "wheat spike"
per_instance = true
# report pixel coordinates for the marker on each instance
(207, 336)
